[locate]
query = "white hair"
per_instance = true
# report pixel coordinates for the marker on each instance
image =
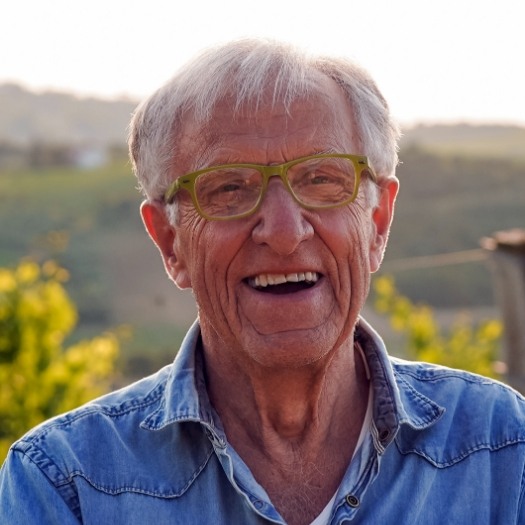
(250, 70)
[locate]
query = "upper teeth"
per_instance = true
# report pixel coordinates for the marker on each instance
(266, 279)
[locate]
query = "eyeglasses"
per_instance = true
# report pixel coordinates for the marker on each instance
(233, 191)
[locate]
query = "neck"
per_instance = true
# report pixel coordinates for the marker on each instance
(294, 406)
(297, 428)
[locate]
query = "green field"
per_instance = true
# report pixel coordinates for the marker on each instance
(446, 205)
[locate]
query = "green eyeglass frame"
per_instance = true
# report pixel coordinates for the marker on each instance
(187, 182)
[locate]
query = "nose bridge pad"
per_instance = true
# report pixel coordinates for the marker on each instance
(277, 171)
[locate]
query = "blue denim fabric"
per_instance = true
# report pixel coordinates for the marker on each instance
(446, 447)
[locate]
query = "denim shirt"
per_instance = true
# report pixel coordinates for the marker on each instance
(445, 447)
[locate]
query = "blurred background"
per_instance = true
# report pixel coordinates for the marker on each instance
(71, 74)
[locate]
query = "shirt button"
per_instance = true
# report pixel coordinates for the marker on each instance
(352, 500)
(258, 504)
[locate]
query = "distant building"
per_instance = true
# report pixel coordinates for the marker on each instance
(89, 157)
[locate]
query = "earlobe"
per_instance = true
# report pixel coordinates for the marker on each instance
(163, 234)
(382, 217)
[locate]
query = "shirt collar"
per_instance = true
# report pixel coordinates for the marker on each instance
(185, 397)
(395, 401)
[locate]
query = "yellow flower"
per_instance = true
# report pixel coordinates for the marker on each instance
(7, 280)
(27, 272)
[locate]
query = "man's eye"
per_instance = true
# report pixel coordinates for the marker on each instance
(219, 182)
(230, 187)
(315, 178)
(322, 177)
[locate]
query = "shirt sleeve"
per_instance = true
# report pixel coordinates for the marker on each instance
(28, 496)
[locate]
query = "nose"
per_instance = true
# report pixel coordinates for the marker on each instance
(281, 222)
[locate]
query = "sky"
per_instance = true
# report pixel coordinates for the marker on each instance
(437, 61)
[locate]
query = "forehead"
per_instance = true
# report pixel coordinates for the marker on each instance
(270, 132)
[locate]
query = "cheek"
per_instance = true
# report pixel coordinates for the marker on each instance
(364, 241)
(352, 251)
(360, 227)
(212, 283)
(189, 228)
(208, 248)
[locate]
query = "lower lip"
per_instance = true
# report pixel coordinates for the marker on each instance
(272, 313)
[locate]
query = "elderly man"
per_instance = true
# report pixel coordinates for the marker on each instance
(270, 188)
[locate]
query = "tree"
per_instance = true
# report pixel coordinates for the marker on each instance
(39, 378)
(465, 346)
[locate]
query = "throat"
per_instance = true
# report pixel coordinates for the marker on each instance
(291, 425)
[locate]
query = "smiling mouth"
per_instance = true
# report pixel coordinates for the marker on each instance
(280, 283)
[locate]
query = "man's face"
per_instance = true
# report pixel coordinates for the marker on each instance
(326, 255)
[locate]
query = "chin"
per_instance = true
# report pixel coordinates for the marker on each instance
(291, 349)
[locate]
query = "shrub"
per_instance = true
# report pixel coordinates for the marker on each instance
(465, 345)
(39, 378)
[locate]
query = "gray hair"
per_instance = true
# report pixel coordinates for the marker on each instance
(245, 70)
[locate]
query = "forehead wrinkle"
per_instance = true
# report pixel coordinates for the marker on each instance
(207, 144)
(201, 144)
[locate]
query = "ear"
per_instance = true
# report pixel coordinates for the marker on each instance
(382, 217)
(163, 234)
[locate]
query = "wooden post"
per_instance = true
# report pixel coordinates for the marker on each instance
(507, 261)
